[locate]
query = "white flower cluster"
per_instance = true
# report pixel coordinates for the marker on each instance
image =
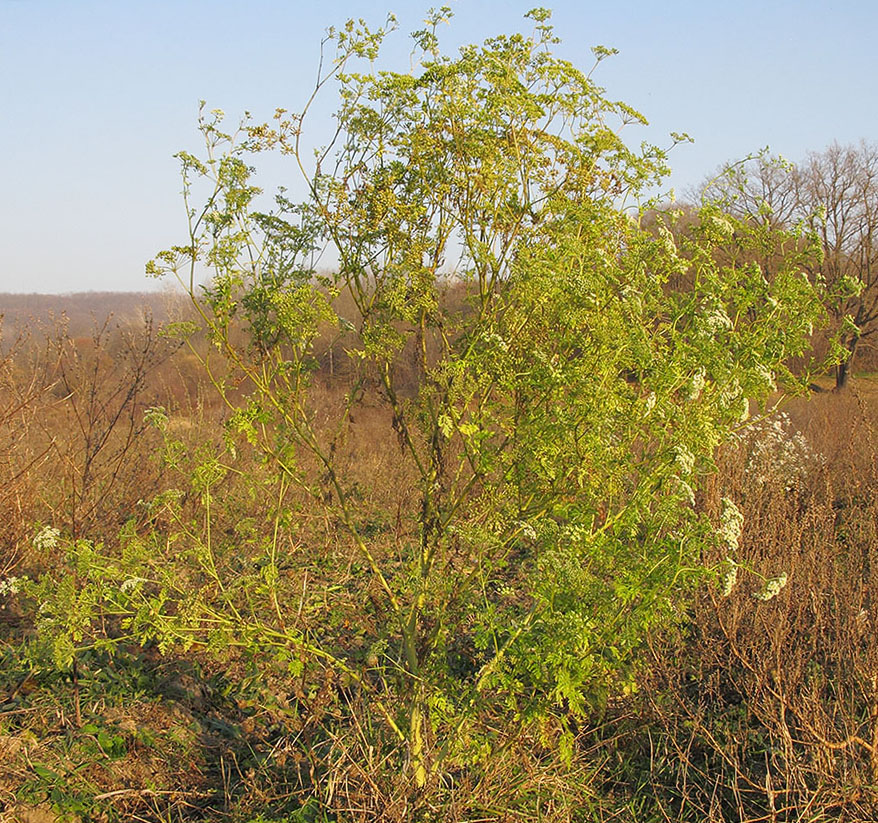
(716, 320)
(766, 377)
(778, 452)
(528, 532)
(46, 538)
(11, 585)
(730, 578)
(684, 460)
(666, 239)
(686, 491)
(772, 588)
(494, 339)
(721, 225)
(731, 524)
(131, 583)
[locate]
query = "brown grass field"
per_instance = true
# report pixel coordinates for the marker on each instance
(750, 710)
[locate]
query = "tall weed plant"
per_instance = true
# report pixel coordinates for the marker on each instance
(553, 429)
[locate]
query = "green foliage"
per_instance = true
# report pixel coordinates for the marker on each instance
(561, 422)
(830, 197)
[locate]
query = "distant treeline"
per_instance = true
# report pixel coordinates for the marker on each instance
(83, 310)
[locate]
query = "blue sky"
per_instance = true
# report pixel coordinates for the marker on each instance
(97, 95)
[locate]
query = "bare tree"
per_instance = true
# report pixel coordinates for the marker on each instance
(840, 188)
(834, 193)
(763, 189)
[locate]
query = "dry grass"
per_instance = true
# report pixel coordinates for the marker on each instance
(769, 710)
(756, 711)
